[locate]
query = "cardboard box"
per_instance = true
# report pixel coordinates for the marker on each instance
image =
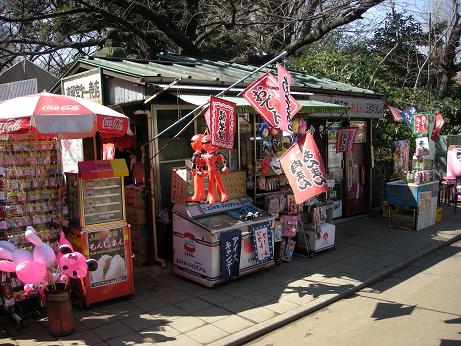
(337, 208)
(135, 196)
(182, 186)
(135, 215)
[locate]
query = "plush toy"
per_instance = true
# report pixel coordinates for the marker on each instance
(212, 158)
(198, 168)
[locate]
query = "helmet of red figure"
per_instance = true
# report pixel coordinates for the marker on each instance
(206, 143)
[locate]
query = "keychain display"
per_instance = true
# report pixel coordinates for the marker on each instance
(30, 180)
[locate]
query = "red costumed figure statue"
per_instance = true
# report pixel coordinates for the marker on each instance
(215, 183)
(198, 168)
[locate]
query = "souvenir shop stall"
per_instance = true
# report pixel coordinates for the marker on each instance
(413, 196)
(227, 227)
(37, 263)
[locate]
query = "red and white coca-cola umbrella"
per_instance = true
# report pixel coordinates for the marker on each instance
(59, 115)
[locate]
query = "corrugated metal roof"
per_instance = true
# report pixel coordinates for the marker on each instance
(26, 69)
(202, 71)
(307, 105)
(19, 88)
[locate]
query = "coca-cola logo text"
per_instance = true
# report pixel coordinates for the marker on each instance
(10, 126)
(112, 124)
(60, 108)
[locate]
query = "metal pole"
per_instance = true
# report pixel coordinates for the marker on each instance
(281, 55)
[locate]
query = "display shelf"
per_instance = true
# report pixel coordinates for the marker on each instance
(103, 213)
(101, 204)
(101, 196)
(101, 187)
(87, 197)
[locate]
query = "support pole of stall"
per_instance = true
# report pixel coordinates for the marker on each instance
(278, 57)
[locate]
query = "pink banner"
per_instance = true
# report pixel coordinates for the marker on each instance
(438, 123)
(284, 82)
(263, 95)
(304, 170)
(223, 119)
(345, 139)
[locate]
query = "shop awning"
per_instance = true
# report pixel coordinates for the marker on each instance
(309, 106)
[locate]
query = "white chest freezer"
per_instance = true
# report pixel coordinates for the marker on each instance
(196, 239)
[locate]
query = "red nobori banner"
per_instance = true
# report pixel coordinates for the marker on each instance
(263, 95)
(223, 118)
(438, 123)
(396, 113)
(420, 122)
(304, 170)
(284, 82)
(345, 139)
(20, 125)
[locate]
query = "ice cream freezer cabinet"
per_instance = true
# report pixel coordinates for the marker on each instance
(197, 231)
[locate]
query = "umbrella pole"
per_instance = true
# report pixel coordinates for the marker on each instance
(95, 149)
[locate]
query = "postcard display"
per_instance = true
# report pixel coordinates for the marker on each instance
(199, 233)
(30, 186)
(98, 228)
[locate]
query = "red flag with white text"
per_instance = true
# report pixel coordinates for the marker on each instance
(345, 139)
(438, 123)
(263, 95)
(223, 120)
(304, 170)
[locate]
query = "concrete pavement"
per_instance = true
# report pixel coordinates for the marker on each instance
(169, 310)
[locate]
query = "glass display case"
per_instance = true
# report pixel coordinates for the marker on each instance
(94, 201)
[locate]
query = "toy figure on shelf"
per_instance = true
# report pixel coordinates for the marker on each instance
(276, 142)
(215, 183)
(295, 127)
(264, 132)
(198, 168)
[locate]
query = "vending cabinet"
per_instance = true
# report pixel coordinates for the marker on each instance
(98, 228)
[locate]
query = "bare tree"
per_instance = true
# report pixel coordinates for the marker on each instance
(59, 31)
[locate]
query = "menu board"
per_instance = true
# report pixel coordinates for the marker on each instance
(107, 247)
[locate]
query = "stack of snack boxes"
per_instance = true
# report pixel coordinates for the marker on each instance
(141, 236)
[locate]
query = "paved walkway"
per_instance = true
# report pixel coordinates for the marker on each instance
(169, 310)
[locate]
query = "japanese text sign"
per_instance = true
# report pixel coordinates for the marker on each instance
(304, 170)
(230, 246)
(284, 81)
(262, 241)
(438, 123)
(345, 139)
(407, 115)
(419, 124)
(263, 95)
(223, 119)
